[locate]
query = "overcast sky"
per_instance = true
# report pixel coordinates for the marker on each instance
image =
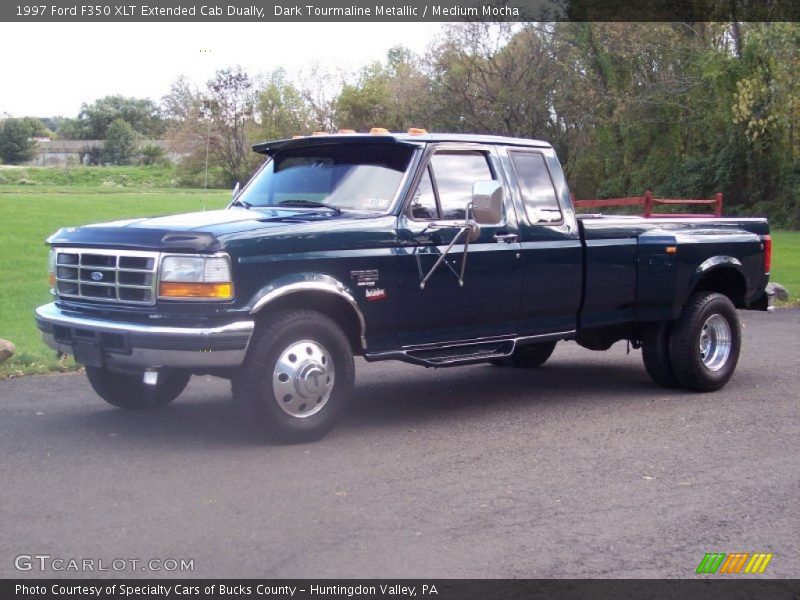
(49, 69)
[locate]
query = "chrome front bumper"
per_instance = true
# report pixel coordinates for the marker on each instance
(120, 345)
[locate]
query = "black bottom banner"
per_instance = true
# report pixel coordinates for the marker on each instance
(439, 589)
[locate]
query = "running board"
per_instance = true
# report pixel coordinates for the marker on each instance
(450, 356)
(453, 354)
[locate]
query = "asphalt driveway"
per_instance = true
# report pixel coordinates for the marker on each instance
(581, 468)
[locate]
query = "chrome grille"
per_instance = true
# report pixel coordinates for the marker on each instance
(124, 276)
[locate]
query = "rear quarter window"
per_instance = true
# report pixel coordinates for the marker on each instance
(535, 187)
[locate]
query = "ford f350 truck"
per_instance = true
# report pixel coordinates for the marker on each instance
(434, 249)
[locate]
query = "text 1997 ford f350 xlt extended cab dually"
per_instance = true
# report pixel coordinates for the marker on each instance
(434, 249)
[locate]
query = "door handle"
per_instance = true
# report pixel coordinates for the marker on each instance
(506, 238)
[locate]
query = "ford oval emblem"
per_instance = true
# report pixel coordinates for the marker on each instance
(96, 276)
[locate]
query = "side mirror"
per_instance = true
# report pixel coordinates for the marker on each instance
(487, 202)
(235, 191)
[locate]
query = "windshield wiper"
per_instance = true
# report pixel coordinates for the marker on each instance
(243, 203)
(302, 202)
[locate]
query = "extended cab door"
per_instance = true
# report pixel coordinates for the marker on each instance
(487, 304)
(552, 255)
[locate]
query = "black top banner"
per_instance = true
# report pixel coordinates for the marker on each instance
(144, 11)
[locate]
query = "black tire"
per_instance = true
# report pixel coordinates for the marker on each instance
(655, 354)
(298, 416)
(694, 370)
(529, 356)
(128, 391)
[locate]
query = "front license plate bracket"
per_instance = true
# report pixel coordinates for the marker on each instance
(87, 353)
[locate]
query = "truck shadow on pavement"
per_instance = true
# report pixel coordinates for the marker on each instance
(385, 400)
(485, 390)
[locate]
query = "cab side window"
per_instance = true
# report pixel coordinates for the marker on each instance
(454, 174)
(535, 187)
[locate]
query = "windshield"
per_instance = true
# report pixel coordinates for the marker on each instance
(361, 177)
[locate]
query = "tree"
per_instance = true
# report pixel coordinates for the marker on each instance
(685, 109)
(366, 103)
(182, 101)
(319, 88)
(218, 123)
(120, 146)
(94, 119)
(230, 104)
(281, 109)
(188, 131)
(152, 154)
(16, 141)
(394, 95)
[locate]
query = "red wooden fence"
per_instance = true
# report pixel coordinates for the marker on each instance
(648, 203)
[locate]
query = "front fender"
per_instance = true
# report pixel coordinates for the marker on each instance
(303, 283)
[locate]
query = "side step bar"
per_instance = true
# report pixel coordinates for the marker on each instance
(449, 357)
(456, 354)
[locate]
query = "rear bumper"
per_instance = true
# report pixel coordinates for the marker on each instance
(764, 302)
(114, 344)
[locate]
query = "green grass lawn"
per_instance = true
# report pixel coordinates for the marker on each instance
(67, 179)
(26, 219)
(786, 262)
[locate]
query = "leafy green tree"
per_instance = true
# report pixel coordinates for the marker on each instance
(16, 141)
(684, 109)
(70, 129)
(393, 95)
(120, 144)
(152, 154)
(281, 110)
(94, 119)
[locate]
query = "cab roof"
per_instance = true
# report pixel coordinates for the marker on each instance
(404, 139)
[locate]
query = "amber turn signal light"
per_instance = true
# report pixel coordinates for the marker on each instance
(219, 291)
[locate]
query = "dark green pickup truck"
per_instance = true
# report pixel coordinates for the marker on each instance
(435, 249)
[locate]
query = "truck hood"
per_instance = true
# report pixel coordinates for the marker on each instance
(190, 232)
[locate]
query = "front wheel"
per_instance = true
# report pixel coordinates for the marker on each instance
(705, 342)
(298, 376)
(128, 391)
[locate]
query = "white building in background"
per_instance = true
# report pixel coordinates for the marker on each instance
(75, 152)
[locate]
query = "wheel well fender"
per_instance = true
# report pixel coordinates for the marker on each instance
(315, 291)
(721, 274)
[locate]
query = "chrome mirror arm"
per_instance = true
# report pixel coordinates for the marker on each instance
(467, 229)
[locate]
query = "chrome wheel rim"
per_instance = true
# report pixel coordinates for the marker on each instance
(303, 379)
(715, 342)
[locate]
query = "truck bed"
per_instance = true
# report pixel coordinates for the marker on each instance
(642, 269)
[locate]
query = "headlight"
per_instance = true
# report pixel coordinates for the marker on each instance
(197, 277)
(51, 268)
